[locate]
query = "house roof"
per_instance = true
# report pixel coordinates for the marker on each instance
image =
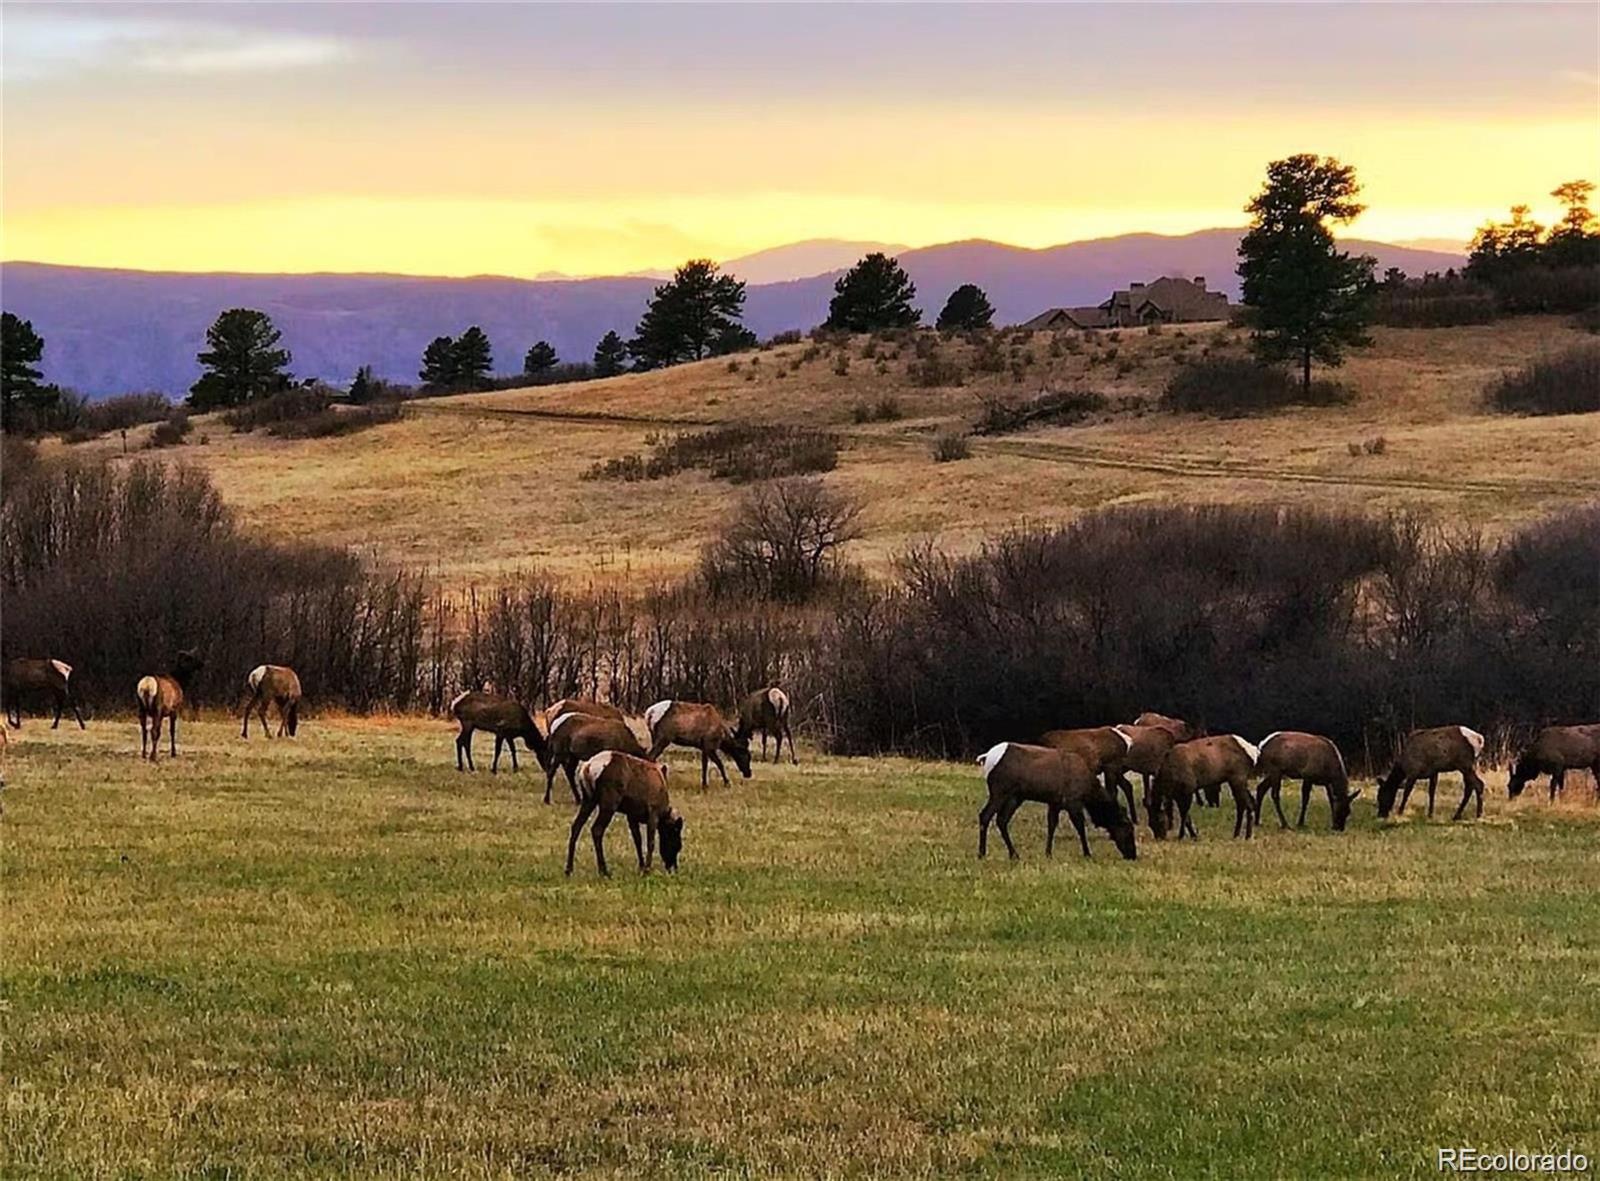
(1182, 298)
(1094, 317)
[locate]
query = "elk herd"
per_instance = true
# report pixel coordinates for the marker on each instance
(1085, 773)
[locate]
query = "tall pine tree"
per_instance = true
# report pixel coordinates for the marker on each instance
(242, 361)
(610, 356)
(691, 317)
(874, 294)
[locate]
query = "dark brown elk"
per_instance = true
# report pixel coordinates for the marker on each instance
(1016, 773)
(159, 698)
(41, 679)
(613, 782)
(1316, 762)
(1196, 766)
(1147, 750)
(1180, 730)
(504, 717)
(273, 684)
(576, 737)
(1104, 749)
(581, 705)
(1427, 754)
(1553, 752)
(767, 711)
(700, 727)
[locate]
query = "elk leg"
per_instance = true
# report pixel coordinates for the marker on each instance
(143, 727)
(985, 816)
(1305, 801)
(1127, 790)
(1239, 809)
(1145, 775)
(1003, 822)
(601, 822)
(578, 822)
(494, 766)
(1076, 816)
(638, 843)
(721, 770)
(1558, 783)
(649, 842)
(1405, 798)
(1185, 821)
(172, 733)
(57, 723)
(1269, 786)
(77, 712)
(511, 745)
(764, 746)
(571, 768)
(794, 759)
(1052, 818)
(1433, 790)
(549, 779)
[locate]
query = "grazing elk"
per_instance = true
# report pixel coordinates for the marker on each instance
(581, 705)
(1314, 761)
(576, 737)
(1147, 750)
(767, 711)
(1555, 751)
(1428, 754)
(274, 684)
(160, 697)
(1104, 749)
(613, 782)
(1180, 730)
(1016, 773)
(700, 727)
(1195, 766)
(41, 678)
(505, 718)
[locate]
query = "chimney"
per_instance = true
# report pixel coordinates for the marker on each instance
(1135, 286)
(1200, 282)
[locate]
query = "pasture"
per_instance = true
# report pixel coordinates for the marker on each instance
(337, 956)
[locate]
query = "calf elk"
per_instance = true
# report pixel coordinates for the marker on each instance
(160, 697)
(1555, 751)
(1314, 761)
(1016, 774)
(576, 737)
(613, 782)
(41, 678)
(1428, 754)
(1195, 766)
(767, 711)
(505, 718)
(700, 727)
(274, 684)
(1104, 749)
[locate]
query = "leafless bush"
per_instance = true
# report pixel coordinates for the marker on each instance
(1568, 383)
(783, 542)
(741, 454)
(999, 415)
(951, 446)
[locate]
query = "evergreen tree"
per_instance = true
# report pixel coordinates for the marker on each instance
(365, 387)
(439, 363)
(1306, 299)
(1575, 241)
(967, 310)
(242, 361)
(25, 400)
(610, 356)
(471, 359)
(1500, 248)
(688, 316)
(876, 293)
(735, 338)
(541, 358)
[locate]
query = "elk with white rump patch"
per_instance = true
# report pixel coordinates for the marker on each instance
(1016, 773)
(1193, 767)
(1147, 750)
(1314, 761)
(767, 711)
(40, 678)
(504, 717)
(700, 727)
(575, 738)
(159, 698)
(1428, 754)
(587, 706)
(1104, 749)
(613, 782)
(1555, 751)
(278, 685)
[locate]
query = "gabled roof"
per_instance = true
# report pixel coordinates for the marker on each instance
(1069, 318)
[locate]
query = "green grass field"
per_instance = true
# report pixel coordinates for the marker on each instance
(339, 957)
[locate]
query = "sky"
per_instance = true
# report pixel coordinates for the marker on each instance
(457, 139)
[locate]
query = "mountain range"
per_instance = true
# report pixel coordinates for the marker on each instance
(115, 331)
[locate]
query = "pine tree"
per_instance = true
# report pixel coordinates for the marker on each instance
(25, 400)
(364, 387)
(439, 363)
(242, 361)
(610, 356)
(874, 294)
(967, 310)
(472, 359)
(541, 358)
(1306, 299)
(688, 316)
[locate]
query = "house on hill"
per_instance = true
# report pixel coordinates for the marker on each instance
(1167, 300)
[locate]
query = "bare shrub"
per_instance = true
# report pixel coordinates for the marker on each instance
(951, 446)
(1236, 386)
(172, 431)
(740, 453)
(783, 541)
(296, 402)
(999, 415)
(336, 420)
(935, 370)
(1568, 383)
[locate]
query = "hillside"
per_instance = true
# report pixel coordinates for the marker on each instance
(487, 482)
(114, 331)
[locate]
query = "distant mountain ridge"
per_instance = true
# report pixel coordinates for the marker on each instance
(115, 331)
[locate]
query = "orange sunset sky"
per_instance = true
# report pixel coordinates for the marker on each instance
(522, 140)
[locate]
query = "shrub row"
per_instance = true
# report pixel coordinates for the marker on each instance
(739, 453)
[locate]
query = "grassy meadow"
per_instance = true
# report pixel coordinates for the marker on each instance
(338, 957)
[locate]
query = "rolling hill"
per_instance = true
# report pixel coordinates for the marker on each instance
(111, 331)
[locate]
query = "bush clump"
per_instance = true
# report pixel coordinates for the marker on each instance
(296, 402)
(1052, 408)
(172, 431)
(1568, 383)
(1235, 386)
(740, 454)
(336, 420)
(951, 446)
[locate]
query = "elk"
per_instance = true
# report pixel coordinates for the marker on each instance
(505, 718)
(1147, 750)
(700, 727)
(767, 711)
(1553, 752)
(1314, 761)
(159, 697)
(613, 782)
(1180, 730)
(581, 705)
(576, 737)
(1430, 753)
(41, 678)
(278, 685)
(1194, 766)
(1104, 749)
(1016, 773)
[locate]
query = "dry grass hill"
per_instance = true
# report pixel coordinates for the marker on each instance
(480, 483)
